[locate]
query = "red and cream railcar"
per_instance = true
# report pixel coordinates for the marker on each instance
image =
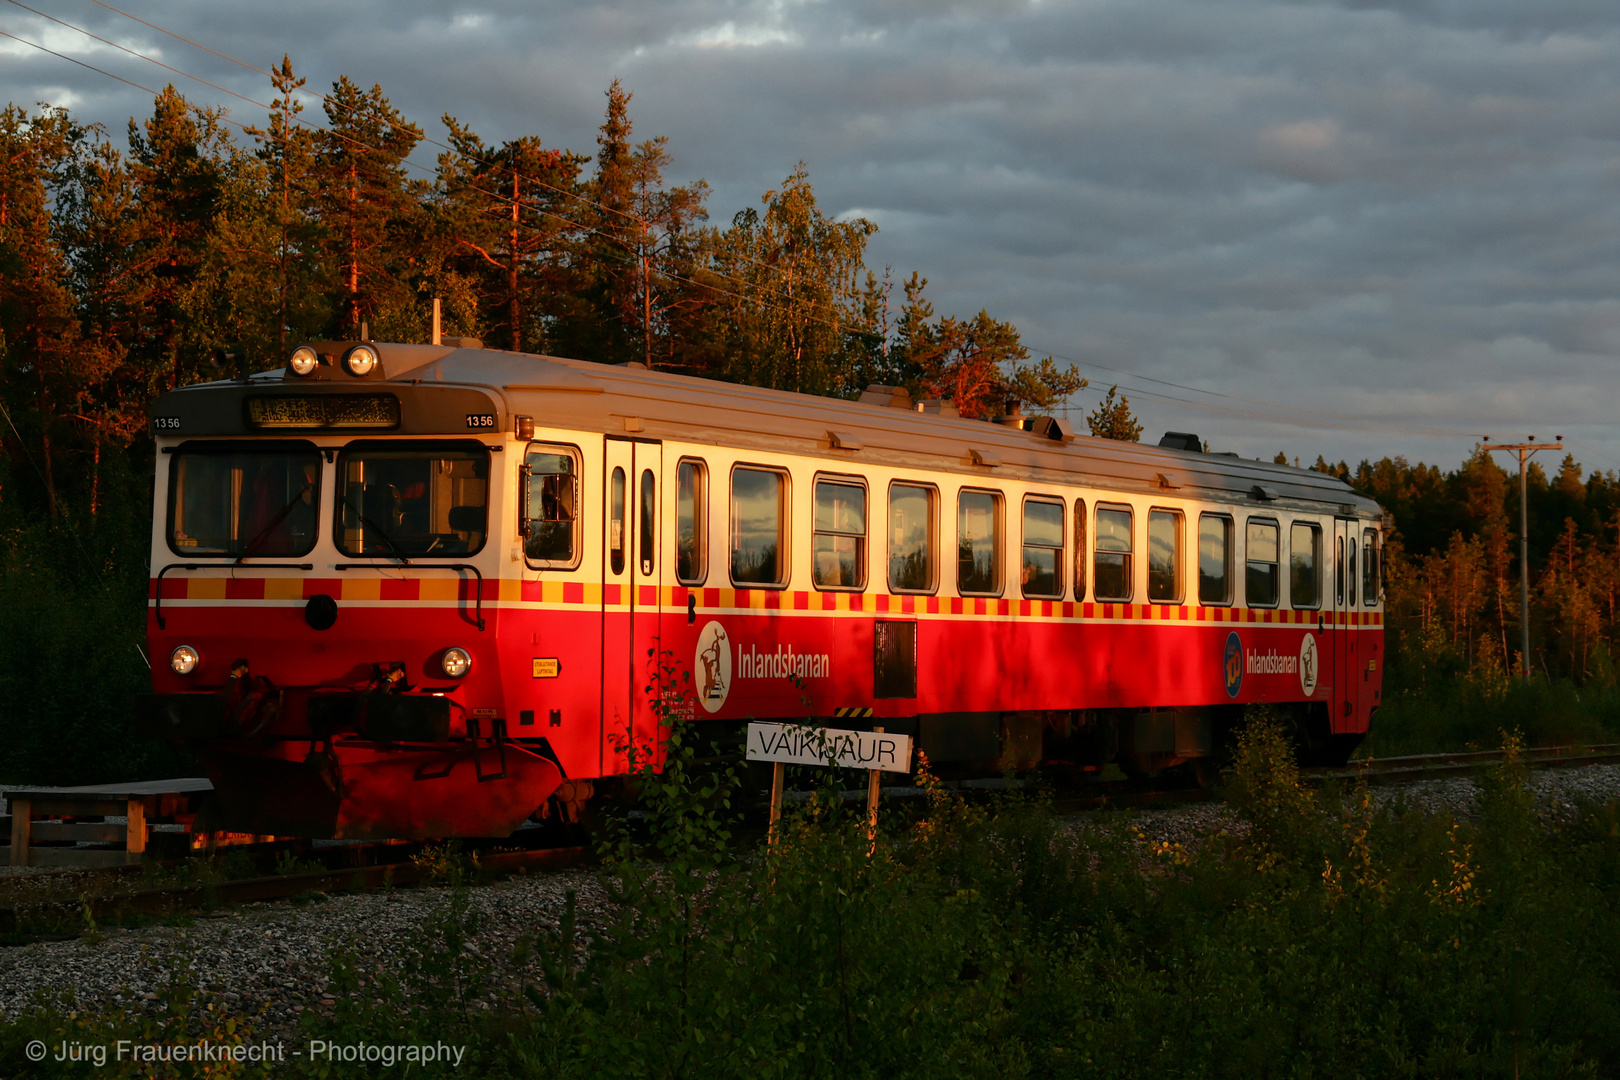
(409, 590)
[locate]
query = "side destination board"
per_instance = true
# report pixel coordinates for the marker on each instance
(799, 744)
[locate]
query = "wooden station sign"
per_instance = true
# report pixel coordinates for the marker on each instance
(801, 744)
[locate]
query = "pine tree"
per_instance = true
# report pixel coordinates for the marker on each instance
(37, 324)
(509, 210)
(174, 163)
(1113, 420)
(368, 210)
(288, 149)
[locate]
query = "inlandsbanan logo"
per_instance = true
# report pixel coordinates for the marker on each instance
(712, 663)
(784, 663)
(1307, 665)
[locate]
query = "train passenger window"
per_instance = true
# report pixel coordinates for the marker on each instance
(1112, 574)
(1338, 572)
(649, 520)
(691, 522)
(1164, 556)
(911, 538)
(404, 500)
(758, 527)
(1214, 559)
(244, 499)
(1042, 573)
(550, 502)
(616, 525)
(1262, 581)
(1079, 549)
(1350, 570)
(839, 551)
(1304, 565)
(978, 543)
(1369, 567)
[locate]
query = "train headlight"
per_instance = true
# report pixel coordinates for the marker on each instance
(184, 660)
(360, 360)
(456, 663)
(303, 360)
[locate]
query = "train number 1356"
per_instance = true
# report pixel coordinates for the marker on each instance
(481, 420)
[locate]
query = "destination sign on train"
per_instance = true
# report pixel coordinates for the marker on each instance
(799, 744)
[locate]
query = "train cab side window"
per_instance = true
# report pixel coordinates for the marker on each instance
(550, 524)
(1042, 573)
(1079, 549)
(978, 543)
(1262, 580)
(1113, 571)
(1369, 568)
(691, 522)
(1214, 559)
(648, 514)
(1164, 556)
(616, 524)
(911, 538)
(1304, 566)
(758, 527)
(839, 547)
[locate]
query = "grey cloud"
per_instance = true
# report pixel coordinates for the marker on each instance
(1393, 210)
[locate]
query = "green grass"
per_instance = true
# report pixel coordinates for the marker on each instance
(1325, 939)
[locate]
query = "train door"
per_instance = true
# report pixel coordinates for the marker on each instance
(1346, 638)
(631, 576)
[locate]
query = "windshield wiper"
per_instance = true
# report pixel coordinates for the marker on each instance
(264, 534)
(372, 525)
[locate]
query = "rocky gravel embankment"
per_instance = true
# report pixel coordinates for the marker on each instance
(274, 961)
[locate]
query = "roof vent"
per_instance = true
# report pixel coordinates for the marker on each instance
(1051, 427)
(938, 407)
(1182, 440)
(894, 397)
(462, 342)
(842, 440)
(1263, 494)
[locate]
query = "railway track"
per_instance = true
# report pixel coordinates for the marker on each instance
(1417, 767)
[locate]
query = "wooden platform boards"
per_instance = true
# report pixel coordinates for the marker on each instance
(49, 824)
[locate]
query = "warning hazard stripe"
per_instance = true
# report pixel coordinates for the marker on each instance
(513, 593)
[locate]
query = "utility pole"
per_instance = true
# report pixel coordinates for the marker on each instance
(1525, 450)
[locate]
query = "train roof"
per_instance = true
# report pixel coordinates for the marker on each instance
(440, 384)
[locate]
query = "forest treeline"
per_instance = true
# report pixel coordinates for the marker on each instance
(123, 266)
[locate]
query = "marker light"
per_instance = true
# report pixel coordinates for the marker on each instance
(359, 360)
(303, 360)
(456, 663)
(184, 660)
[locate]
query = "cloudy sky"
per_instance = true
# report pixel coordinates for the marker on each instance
(1355, 228)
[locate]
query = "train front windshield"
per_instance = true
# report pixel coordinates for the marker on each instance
(412, 500)
(238, 500)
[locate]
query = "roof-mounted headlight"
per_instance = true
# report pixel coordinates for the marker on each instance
(360, 361)
(303, 360)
